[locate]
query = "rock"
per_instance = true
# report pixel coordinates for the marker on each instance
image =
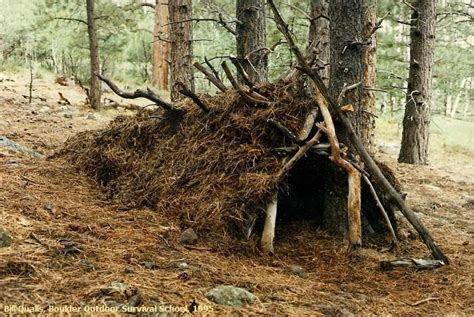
(188, 236)
(149, 265)
(45, 110)
(183, 265)
(91, 116)
(5, 238)
(67, 115)
(297, 270)
(16, 147)
(63, 108)
(89, 266)
(230, 296)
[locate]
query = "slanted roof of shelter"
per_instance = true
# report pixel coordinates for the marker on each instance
(208, 170)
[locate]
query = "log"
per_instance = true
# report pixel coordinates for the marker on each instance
(418, 264)
(370, 164)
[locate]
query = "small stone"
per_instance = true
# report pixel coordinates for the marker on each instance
(230, 296)
(91, 116)
(188, 236)
(149, 265)
(5, 238)
(297, 270)
(45, 110)
(89, 266)
(49, 207)
(63, 108)
(67, 115)
(183, 265)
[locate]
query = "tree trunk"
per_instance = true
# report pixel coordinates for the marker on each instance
(181, 50)
(319, 32)
(251, 39)
(161, 46)
(346, 69)
(95, 91)
(369, 61)
(416, 122)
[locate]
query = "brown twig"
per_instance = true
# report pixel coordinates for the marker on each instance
(188, 93)
(298, 155)
(381, 208)
(241, 90)
(139, 93)
(213, 79)
(241, 71)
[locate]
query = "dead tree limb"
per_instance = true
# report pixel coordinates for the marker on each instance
(188, 93)
(371, 166)
(381, 208)
(285, 131)
(419, 264)
(241, 71)
(139, 93)
(268, 233)
(213, 79)
(298, 155)
(213, 70)
(245, 93)
(308, 124)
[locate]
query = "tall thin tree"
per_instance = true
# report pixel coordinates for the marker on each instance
(251, 39)
(416, 122)
(95, 86)
(181, 50)
(161, 46)
(368, 81)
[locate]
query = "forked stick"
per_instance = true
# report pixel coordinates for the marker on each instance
(372, 167)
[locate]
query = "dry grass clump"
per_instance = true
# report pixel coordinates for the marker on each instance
(206, 169)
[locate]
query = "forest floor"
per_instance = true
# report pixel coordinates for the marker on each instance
(71, 247)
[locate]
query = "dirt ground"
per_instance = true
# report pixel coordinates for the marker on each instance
(71, 247)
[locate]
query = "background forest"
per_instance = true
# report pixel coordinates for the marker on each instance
(54, 34)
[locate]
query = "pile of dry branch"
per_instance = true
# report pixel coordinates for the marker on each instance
(208, 169)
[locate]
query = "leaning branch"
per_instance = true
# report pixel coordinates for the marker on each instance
(245, 93)
(139, 93)
(213, 79)
(188, 93)
(372, 167)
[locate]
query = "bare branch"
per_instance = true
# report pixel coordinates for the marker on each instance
(241, 71)
(71, 20)
(188, 93)
(213, 79)
(245, 93)
(148, 94)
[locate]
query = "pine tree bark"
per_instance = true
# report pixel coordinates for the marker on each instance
(95, 86)
(416, 122)
(181, 51)
(369, 62)
(346, 31)
(251, 39)
(161, 46)
(319, 33)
